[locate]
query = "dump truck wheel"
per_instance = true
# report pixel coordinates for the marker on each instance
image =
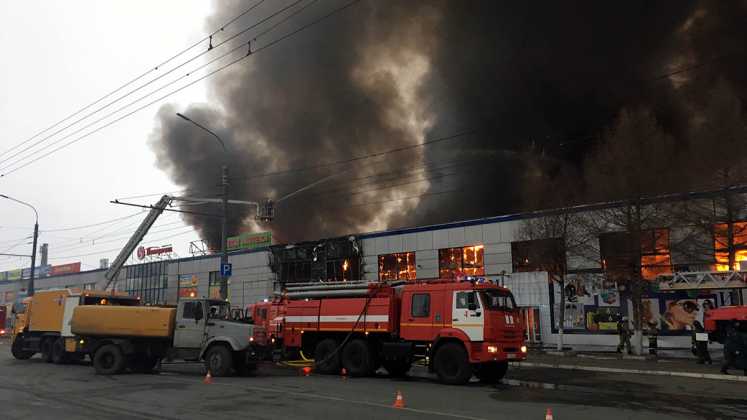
(59, 355)
(46, 350)
(17, 350)
(357, 359)
(109, 360)
(492, 372)
(218, 361)
(452, 365)
(397, 368)
(326, 357)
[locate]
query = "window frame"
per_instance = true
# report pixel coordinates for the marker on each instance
(427, 305)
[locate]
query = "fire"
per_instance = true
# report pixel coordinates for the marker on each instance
(721, 245)
(345, 265)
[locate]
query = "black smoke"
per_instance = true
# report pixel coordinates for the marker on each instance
(535, 82)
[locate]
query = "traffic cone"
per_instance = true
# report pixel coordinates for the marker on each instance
(208, 379)
(548, 415)
(399, 402)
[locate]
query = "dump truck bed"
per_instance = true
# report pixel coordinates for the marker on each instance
(123, 321)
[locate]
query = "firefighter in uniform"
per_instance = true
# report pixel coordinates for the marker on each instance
(733, 348)
(624, 333)
(700, 346)
(653, 337)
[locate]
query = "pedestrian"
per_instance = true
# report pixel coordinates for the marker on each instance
(700, 343)
(624, 334)
(653, 337)
(733, 348)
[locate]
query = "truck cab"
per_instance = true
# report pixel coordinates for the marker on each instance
(475, 323)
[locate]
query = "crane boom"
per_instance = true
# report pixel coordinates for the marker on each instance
(142, 230)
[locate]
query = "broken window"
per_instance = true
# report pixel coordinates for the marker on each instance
(397, 266)
(467, 261)
(738, 242)
(618, 254)
(538, 255)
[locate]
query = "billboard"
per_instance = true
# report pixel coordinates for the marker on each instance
(58, 270)
(188, 285)
(249, 240)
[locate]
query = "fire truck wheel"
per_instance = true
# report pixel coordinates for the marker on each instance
(452, 365)
(109, 360)
(357, 358)
(397, 368)
(17, 350)
(326, 357)
(46, 350)
(492, 372)
(59, 356)
(219, 360)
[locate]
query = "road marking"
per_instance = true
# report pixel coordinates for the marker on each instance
(331, 398)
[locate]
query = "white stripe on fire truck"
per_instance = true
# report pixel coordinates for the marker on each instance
(338, 318)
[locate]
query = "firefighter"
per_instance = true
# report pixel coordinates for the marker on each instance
(733, 348)
(653, 337)
(624, 333)
(700, 346)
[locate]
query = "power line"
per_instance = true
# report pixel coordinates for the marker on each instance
(92, 224)
(150, 70)
(219, 69)
(362, 157)
(120, 98)
(152, 241)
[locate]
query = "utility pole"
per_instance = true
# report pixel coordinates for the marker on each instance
(30, 290)
(224, 229)
(224, 185)
(33, 259)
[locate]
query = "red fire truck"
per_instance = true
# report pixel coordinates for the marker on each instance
(719, 319)
(458, 328)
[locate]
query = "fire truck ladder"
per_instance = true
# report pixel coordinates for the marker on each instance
(142, 230)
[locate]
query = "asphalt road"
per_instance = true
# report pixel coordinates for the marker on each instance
(35, 390)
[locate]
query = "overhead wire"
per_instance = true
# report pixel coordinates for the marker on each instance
(144, 74)
(131, 92)
(211, 73)
(150, 242)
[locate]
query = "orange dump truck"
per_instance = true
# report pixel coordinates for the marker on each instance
(43, 326)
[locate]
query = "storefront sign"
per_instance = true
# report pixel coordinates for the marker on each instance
(58, 270)
(250, 241)
(158, 250)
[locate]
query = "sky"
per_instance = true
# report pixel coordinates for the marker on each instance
(59, 56)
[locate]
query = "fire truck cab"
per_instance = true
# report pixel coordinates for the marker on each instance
(457, 328)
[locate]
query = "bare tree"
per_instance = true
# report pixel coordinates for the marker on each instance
(634, 161)
(717, 162)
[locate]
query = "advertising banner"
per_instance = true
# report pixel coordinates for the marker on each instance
(65, 269)
(188, 285)
(249, 241)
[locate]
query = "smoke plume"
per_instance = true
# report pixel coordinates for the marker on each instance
(533, 85)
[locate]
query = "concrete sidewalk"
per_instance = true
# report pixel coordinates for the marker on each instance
(615, 363)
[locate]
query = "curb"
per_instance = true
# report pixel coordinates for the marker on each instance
(732, 378)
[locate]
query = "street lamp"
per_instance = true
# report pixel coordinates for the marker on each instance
(30, 291)
(224, 184)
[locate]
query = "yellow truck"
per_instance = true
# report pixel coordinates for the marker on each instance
(42, 323)
(118, 338)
